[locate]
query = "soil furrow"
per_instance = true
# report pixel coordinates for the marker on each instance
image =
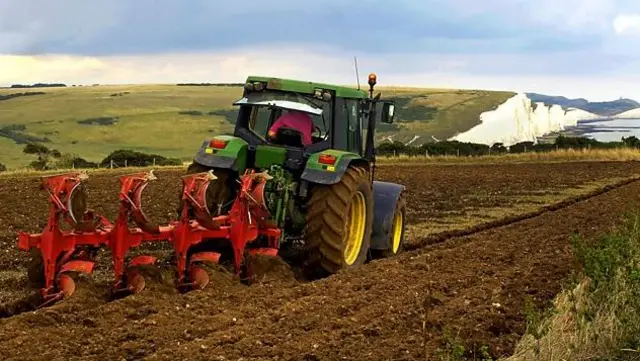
(444, 236)
(404, 308)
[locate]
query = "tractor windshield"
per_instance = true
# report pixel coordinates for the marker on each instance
(291, 101)
(267, 106)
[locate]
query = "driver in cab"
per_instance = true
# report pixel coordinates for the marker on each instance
(297, 120)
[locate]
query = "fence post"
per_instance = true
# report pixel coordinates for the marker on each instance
(458, 151)
(154, 162)
(111, 163)
(125, 163)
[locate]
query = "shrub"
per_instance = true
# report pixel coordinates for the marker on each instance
(191, 112)
(598, 317)
(35, 148)
(74, 161)
(43, 153)
(40, 164)
(17, 95)
(99, 121)
(16, 133)
(131, 158)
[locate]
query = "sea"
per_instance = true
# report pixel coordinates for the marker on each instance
(606, 130)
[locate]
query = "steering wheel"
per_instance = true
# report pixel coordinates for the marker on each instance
(319, 131)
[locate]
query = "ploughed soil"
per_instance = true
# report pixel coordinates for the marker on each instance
(469, 290)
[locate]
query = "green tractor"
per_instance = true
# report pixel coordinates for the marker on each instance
(322, 195)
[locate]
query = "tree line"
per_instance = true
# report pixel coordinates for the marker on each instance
(456, 148)
(46, 158)
(39, 85)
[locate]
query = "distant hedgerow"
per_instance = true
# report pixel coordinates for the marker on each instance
(131, 158)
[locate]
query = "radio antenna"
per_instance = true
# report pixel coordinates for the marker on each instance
(355, 61)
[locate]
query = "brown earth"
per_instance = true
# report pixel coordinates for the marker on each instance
(402, 308)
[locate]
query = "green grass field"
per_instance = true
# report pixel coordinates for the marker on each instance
(148, 118)
(441, 113)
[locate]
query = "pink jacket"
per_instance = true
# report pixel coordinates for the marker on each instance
(299, 121)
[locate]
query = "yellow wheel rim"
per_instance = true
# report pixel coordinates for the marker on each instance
(398, 221)
(354, 231)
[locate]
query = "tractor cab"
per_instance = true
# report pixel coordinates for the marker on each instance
(329, 127)
(264, 102)
(263, 110)
(339, 116)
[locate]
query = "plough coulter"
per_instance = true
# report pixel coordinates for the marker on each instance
(63, 251)
(269, 188)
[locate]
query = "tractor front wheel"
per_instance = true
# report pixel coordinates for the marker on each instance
(339, 222)
(396, 241)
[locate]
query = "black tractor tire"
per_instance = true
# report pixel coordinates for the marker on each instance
(399, 220)
(220, 191)
(328, 214)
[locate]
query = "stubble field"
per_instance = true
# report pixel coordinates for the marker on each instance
(481, 238)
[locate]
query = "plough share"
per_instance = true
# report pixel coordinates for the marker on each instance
(64, 251)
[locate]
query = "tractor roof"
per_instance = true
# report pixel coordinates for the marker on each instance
(306, 87)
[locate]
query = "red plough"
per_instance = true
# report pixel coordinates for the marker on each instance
(64, 251)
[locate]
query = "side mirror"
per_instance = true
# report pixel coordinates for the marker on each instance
(388, 110)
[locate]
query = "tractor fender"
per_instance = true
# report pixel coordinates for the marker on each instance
(232, 157)
(385, 198)
(315, 173)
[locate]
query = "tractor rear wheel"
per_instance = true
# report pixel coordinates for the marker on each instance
(339, 222)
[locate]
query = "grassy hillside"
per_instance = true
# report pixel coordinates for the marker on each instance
(440, 113)
(172, 120)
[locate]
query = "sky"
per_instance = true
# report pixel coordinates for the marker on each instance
(575, 48)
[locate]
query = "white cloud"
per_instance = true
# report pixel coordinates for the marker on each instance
(563, 47)
(73, 22)
(627, 24)
(126, 26)
(316, 64)
(579, 15)
(569, 15)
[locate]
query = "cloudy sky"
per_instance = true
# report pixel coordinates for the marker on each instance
(577, 48)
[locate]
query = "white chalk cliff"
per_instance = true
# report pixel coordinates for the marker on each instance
(516, 121)
(629, 114)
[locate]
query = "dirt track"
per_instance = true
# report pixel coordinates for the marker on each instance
(373, 313)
